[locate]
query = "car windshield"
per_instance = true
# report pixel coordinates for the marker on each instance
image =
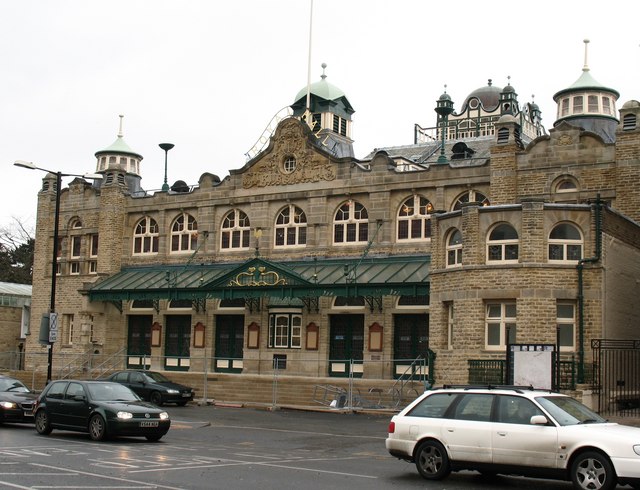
(13, 385)
(157, 377)
(111, 392)
(567, 411)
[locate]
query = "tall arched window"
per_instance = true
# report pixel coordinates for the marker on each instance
(471, 196)
(236, 231)
(145, 237)
(291, 227)
(414, 219)
(454, 248)
(184, 234)
(351, 224)
(565, 243)
(502, 244)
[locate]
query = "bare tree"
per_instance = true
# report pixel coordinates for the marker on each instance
(16, 252)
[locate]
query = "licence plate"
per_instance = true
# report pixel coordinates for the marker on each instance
(28, 413)
(149, 423)
(186, 395)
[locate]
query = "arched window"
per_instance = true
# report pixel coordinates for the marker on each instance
(145, 237)
(76, 223)
(471, 196)
(414, 219)
(351, 224)
(291, 227)
(184, 234)
(566, 185)
(502, 244)
(454, 248)
(565, 243)
(236, 231)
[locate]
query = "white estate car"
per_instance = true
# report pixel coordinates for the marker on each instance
(517, 431)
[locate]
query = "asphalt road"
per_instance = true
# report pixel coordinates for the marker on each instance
(231, 448)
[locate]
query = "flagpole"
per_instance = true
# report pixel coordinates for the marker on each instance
(309, 60)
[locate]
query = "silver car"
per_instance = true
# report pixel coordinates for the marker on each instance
(515, 431)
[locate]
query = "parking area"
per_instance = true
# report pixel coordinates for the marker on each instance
(211, 447)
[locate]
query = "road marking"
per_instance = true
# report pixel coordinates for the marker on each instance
(97, 475)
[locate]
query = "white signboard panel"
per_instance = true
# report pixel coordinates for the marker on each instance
(533, 366)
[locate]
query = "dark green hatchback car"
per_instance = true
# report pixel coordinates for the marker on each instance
(101, 408)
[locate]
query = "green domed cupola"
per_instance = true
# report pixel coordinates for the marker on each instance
(119, 154)
(588, 104)
(326, 108)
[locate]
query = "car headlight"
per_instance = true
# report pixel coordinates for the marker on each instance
(636, 449)
(164, 415)
(8, 405)
(124, 415)
(173, 392)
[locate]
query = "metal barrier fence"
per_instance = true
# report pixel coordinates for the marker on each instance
(494, 372)
(12, 360)
(303, 380)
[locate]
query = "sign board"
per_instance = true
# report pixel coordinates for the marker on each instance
(532, 365)
(53, 327)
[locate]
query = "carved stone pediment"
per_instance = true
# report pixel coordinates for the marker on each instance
(290, 160)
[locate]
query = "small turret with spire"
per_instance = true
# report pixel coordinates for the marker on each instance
(588, 104)
(119, 157)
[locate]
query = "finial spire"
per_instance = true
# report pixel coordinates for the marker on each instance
(324, 66)
(445, 88)
(120, 135)
(490, 82)
(508, 79)
(586, 66)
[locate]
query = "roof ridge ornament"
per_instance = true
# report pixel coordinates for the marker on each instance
(324, 66)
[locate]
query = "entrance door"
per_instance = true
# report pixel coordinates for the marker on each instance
(411, 340)
(229, 343)
(346, 345)
(139, 342)
(177, 343)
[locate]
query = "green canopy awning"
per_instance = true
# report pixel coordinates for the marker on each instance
(372, 276)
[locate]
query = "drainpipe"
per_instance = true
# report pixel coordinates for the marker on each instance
(580, 269)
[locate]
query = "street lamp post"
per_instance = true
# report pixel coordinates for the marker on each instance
(54, 259)
(166, 147)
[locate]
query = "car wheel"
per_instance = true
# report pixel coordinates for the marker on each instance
(593, 471)
(97, 428)
(156, 398)
(154, 437)
(432, 460)
(42, 423)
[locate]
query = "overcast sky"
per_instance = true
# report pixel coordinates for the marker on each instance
(208, 76)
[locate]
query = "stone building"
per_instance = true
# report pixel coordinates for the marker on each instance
(487, 231)
(15, 305)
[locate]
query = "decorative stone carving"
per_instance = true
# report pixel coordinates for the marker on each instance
(289, 141)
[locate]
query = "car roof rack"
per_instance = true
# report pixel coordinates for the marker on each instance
(518, 389)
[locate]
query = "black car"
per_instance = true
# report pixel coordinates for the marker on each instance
(153, 386)
(16, 401)
(101, 408)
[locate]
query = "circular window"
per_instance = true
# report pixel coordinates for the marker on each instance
(473, 103)
(289, 164)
